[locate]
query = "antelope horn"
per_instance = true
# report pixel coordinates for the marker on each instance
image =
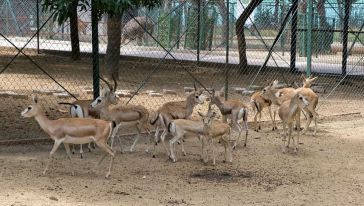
(194, 86)
(107, 83)
(115, 83)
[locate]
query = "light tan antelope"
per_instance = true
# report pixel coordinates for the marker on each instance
(208, 129)
(288, 111)
(123, 115)
(236, 111)
(216, 131)
(72, 131)
(175, 110)
(258, 103)
(81, 109)
(278, 96)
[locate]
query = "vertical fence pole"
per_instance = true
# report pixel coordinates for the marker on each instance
(198, 29)
(345, 36)
(38, 27)
(95, 49)
(294, 35)
(227, 48)
(309, 36)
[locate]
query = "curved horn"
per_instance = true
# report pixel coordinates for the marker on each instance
(115, 83)
(107, 83)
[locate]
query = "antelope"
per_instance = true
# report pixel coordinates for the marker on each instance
(234, 110)
(175, 110)
(278, 96)
(217, 132)
(312, 98)
(131, 115)
(80, 109)
(82, 26)
(210, 130)
(287, 112)
(258, 103)
(72, 131)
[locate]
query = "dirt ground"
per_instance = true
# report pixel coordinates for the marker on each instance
(327, 170)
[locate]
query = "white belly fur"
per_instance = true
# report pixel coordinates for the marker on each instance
(78, 140)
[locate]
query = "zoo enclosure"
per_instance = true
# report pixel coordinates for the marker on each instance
(189, 43)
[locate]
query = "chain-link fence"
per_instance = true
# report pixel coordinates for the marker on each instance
(165, 50)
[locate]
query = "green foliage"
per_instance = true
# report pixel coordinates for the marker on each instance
(110, 7)
(264, 18)
(61, 8)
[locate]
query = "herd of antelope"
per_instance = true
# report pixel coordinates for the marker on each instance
(98, 121)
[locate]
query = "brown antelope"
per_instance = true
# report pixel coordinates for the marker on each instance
(288, 111)
(175, 110)
(72, 131)
(81, 109)
(122, 115)
(235, 110)
(210, 130)
(258, 103)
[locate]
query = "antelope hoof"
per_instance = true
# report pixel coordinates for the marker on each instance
(73, 173)
(259, 128)
(81, 156)
(107, 175)
(44, 172)
(153, 156)
(73, 152)
(284, 150)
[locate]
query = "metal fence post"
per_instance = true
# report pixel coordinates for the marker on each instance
(227, 48)
(309, 36)
(345, 36)
(198, 29)
(95, 49)
(38, 27)
(294, 35)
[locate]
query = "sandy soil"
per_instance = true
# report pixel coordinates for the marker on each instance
(327, 170)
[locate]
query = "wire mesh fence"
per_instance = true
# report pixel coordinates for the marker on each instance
(165, 50)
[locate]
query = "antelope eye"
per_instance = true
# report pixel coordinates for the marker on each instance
(99, 100)
(29, 108)
(301, 98)
(196, 96)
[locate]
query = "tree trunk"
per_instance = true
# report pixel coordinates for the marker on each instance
(321, 12)
(223, 12)
(276, 9)
(113, 45)
(75, 41)
(239, 27)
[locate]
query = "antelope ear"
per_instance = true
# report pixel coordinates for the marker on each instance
(303, 77)
(199, 113)
(35, 99)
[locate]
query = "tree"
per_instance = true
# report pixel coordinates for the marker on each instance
(114, 11)
(223, 12)
(239, 27)
(64, 10)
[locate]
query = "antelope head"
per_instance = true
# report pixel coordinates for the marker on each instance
(208, 118)
(33, 109)
(307, 82)
(198, 97)
(107, 96)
